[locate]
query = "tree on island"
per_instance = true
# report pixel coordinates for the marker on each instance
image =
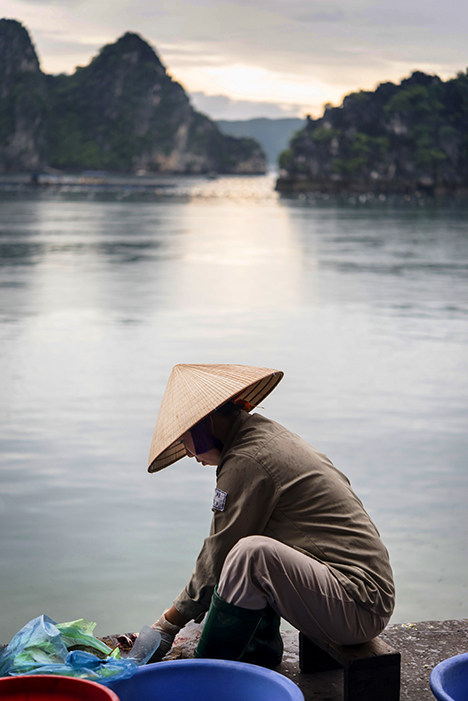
(399, 138)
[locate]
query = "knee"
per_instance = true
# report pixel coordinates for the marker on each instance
(249, 554)
(248, 547)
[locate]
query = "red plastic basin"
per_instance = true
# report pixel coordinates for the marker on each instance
(46, 687)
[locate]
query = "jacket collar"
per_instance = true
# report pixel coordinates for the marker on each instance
(237, 424)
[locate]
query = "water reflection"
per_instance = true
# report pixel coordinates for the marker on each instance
(80, 252)
(236, 258)
(19, 253)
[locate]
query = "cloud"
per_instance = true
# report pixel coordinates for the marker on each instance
(291, 52)
(243, 82)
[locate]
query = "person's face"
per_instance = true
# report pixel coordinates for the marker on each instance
(209, 458)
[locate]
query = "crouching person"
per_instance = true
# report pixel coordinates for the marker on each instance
(289, 537)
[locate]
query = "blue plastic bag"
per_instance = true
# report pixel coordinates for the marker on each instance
(39, 648)
(38, 642)
(85, 665)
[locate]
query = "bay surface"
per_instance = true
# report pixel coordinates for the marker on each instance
(363, 304)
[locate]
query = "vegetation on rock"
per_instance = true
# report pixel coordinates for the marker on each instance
(399, 138)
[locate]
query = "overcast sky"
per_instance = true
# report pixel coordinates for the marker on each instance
(249, 58)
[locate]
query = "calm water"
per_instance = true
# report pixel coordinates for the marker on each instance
(365, 308)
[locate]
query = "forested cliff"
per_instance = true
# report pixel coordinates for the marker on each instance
(399, 138)
(122, 112)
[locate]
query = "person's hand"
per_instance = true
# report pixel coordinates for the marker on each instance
(168, 631)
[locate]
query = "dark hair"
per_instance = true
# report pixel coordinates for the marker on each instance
(202, 432)
(203, 438)
(228, 409)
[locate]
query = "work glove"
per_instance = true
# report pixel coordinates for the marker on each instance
(168, 631)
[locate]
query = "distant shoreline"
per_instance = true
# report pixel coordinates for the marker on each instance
(360, 187)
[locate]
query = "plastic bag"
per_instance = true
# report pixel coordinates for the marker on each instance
(85, 665)
(80, 633)
(38, 642)
(41, 648)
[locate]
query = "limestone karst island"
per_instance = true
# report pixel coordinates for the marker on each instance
(397, 139)
(123, 113)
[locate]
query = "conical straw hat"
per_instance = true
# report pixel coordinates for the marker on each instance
(193, 392)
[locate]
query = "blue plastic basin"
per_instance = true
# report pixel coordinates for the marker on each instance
(206, 680)
(449, 679)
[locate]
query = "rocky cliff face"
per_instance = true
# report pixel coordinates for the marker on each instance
(23, 101)
(122, 112)
(400, 138)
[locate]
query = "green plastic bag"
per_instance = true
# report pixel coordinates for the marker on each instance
(80, 633)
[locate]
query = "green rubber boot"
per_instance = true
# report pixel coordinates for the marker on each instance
(228, 630)
(266, 645)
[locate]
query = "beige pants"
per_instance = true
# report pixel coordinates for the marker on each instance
(260, 571)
